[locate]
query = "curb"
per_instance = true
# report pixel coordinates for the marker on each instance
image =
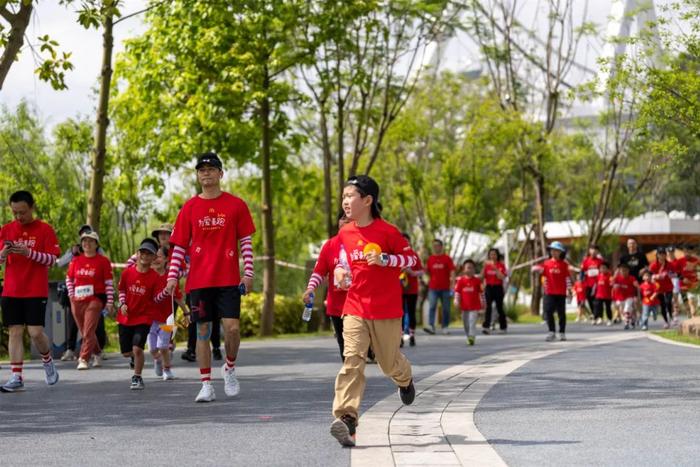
(663, 340)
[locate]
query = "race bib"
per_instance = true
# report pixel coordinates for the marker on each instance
(593, 272)
(84, 291)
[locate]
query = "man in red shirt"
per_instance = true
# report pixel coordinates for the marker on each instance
(442, 277)
(29, 249)
(335, 296)
(211, 227)
(687, 267)
(376, 252)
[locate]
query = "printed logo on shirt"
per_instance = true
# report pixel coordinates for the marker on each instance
(214, 222)
(85, 271)
(28, 242)
(137, 289)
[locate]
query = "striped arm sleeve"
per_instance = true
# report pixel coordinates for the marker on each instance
(247, 254)
(70, 286)
(161, 296)
(176, 258)
(314, 281)
(42, 258)
(131, 261)
(402, 261)
(122, 297)
(109, 291)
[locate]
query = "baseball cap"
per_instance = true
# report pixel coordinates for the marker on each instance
(84, 228)
(209, 158)
(90, 234)
(557, 246)
(366, 186)
(149, 245)
(162, 228)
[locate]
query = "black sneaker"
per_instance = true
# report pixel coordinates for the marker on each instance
(407, 394)
(131, 362)
(412, 341)
(429, 330)
(343, 429)
(189, 355)
(137, 383)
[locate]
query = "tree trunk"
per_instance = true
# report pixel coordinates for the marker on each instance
(539, 244)
(268, 310)
(15, 40)
(99, 154)
(331, 226)
(340, 133)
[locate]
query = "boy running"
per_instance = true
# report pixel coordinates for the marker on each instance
(581, 310)
(650, 301)
(603, 294)
(211, 227)
(661, 272)
(624, 294)
(469, 297)
(29, 248)
(372, 312)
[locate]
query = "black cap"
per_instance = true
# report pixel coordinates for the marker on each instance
(149, 245)
(208, 158)
(661, 250)
(366, 186)
(84, 228)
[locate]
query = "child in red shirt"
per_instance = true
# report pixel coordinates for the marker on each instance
(661, 272)
(137, 299)
(650, 301)
(580, 291)
(624, 294)
(469, 297)
(603, 294)
(557, 285)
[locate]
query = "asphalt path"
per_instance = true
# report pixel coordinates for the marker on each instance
(281, 417)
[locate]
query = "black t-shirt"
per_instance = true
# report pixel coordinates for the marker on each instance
(636, 262)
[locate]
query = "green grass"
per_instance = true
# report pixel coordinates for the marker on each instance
(674, 335)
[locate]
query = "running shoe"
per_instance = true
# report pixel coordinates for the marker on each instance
(231, 386)
(429, 330)
(96, 360)
(168, 374)
(103, 355)
(216, 354)
(665, 325)
(343, 429)
(158, 367)
(445, 332)
(550, 337)
(83, 364)
(627, 327)
(189, 355)
(137, 383)
(609, 323)
(206, 394)
(51, 376)
(486, 331)
(14, 384)
(407, 394)
(412, 341)
(471, 340)
(562, 337)
(645, 328)
(68, 356)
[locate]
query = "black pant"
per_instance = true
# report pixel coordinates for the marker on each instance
(598, 310)
(555, 304)
(72, 332)
(666, 305)
(590, 298)
(495, 293)
(337, 322)
(215, 335)
(409, 308)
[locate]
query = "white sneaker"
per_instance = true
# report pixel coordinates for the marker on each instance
(598, 321)
(609, 323)
(83, 364)
(550, 337)
(158, 367)
(67, 356)
(231, 386)
(445, 332)
(562, 336)
(206, 394)
(96, 361)
(168, 374)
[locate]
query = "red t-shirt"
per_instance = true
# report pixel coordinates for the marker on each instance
(25, 278)
(325, 265)
(439, 268)
(412, 287)
(603, 287)
(624, 287)
(470, 290)
(375, 291)
(580, 291)
(664, 273)
(648, 289)
(556, 276)
(209, 229)
(140, 289)
(162, 310)
(590, 267)
(687, 270)
(89, 276)
(490, 270)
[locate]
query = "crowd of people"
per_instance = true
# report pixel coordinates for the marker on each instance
(374, 280)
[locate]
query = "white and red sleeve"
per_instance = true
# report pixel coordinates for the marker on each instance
(46, 259)
(246, 244)
(177, 258)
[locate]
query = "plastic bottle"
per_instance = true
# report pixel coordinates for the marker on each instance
(308, 308)
(345, 264)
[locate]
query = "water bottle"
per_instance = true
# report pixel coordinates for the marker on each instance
(308, 308)
(343, 259)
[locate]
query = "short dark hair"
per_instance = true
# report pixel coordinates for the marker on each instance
(341, 215)
(624, 266)
(406, 236)
(606, 264)
(437, 240)
(499, 256)
(22, 196)
(468, 261)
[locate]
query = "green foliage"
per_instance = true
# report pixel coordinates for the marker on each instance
(287, 314)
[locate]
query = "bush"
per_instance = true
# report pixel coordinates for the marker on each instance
(515, 311)
(287, 315)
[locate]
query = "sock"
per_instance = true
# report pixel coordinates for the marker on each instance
(411, 332)
(46, 358)
(16, 369)
(205, 374)
(166, 367)
(230, 363)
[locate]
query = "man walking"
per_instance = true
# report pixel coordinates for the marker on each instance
(442, 277)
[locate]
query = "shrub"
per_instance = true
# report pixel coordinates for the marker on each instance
(287, 315)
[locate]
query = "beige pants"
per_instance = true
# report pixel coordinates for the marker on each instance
(358, 333)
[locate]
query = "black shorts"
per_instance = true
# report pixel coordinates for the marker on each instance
(215, 302)
(21, 311)
(130, 336)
